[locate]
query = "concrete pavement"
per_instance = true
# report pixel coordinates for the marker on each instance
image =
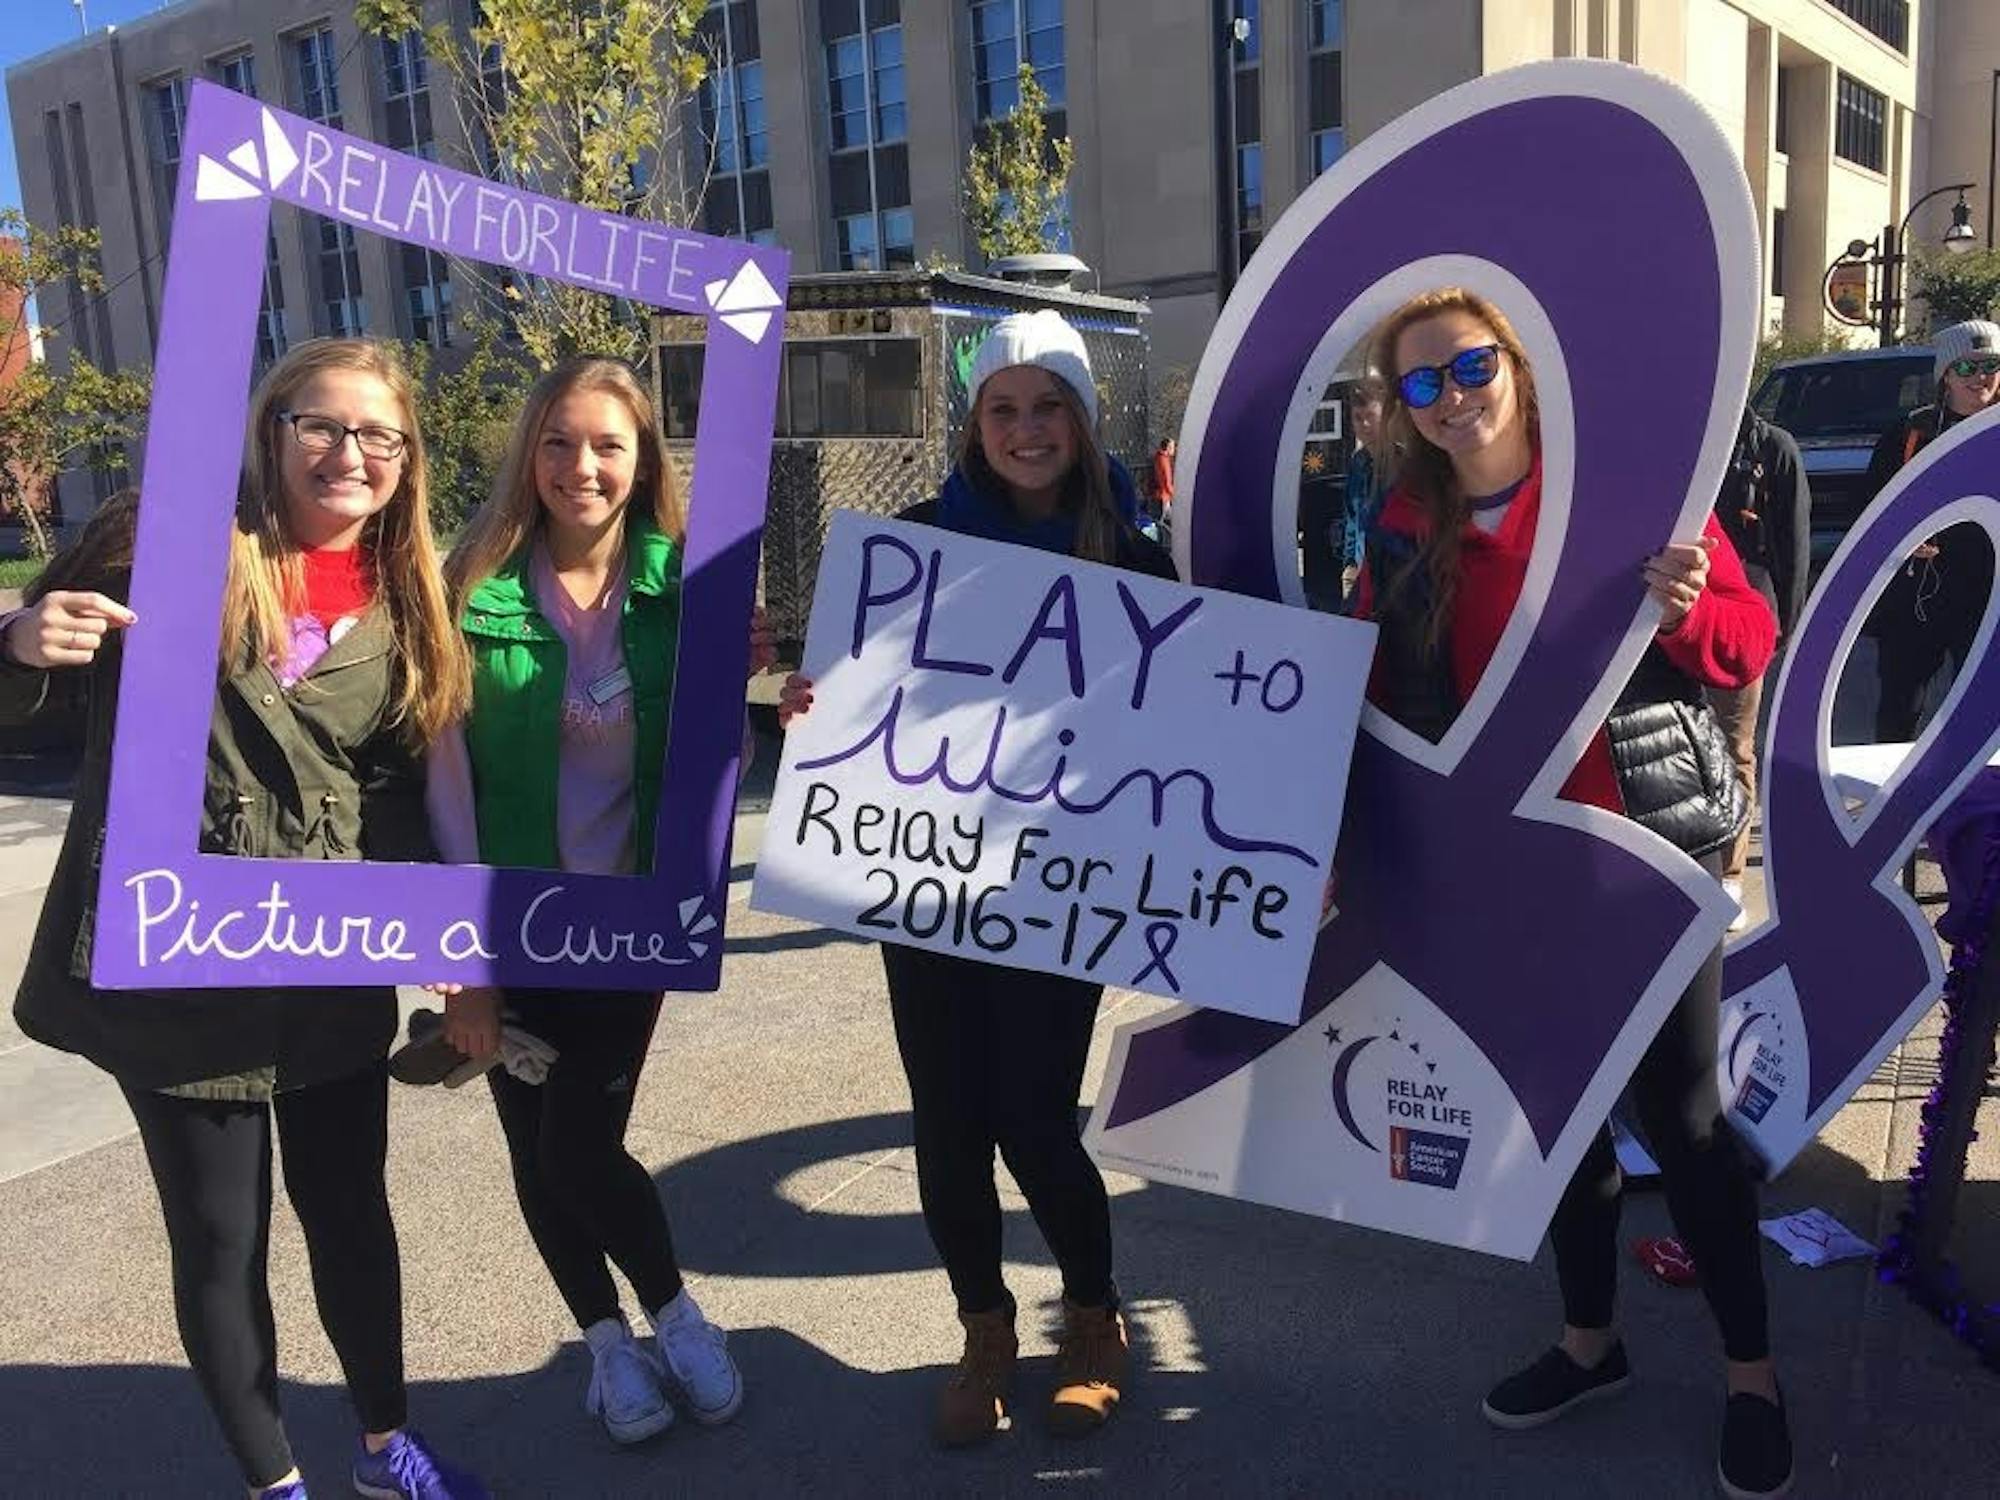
(1278, 1354)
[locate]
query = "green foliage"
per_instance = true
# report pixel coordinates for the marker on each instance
(51, 417)
(465, 414)
(590, 103)
(1015, 179)
(1956, 288)
(1775, 348)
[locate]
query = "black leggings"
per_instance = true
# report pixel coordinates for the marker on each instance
(585, 1198)
(1709, 1189)
(211, 1161)
(995, 1058)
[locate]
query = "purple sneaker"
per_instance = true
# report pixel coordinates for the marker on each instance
(408, 1470)
(291, 1489)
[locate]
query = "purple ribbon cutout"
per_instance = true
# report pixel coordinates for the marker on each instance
(1859, 958)
(1542, 995)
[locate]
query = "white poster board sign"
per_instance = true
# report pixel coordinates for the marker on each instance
(1029, 760)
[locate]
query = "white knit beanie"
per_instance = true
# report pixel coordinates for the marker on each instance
(1960, 339)
(1038, 338)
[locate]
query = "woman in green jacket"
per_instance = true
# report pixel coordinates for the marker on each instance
(568, 588)
(338, 662)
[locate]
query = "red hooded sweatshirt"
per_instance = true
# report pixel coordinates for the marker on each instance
(1725, 641)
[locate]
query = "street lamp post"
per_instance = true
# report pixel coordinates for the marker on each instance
(1891, 255)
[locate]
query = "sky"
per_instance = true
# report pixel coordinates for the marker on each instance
(33, 27)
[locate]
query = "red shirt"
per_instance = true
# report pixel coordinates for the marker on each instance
(338, 583)
(1725, 641)
(1163, 476)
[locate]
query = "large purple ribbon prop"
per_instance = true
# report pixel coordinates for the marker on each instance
(1539, 932)
(1538, 939)
(169, 917)
(1858, 951)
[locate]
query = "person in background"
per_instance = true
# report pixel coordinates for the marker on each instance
(1160, 482)
(338, 664)
(1445, 566)
(1765, 509)
(1367, 475)
(995, 1056)
(1928, 615)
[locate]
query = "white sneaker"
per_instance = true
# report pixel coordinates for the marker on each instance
(1733, 889)
(626, 1383)
(698, 1361)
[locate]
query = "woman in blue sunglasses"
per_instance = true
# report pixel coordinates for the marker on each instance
(1444, 567)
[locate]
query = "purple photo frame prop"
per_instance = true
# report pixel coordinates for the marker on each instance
(169, 917)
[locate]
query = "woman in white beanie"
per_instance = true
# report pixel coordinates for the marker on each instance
(994, 1056)
(1931, 609)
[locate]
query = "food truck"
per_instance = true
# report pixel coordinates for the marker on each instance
(872, 399)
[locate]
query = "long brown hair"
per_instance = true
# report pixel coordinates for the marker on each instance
(1086, 491)
(1424, 470)
(267, 578)
(514, 509)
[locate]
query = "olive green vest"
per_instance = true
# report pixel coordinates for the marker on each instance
(519, 664)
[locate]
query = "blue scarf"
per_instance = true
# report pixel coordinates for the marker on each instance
(965, 508)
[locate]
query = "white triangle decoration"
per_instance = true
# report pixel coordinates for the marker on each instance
(748, 291)
(278, 153)
(244, 157)
(713, 290)
(689, 906)
(752, 325)
(212, 181)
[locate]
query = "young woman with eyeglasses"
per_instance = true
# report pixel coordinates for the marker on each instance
(1445, 564)
(338, 663)
(1928, 615)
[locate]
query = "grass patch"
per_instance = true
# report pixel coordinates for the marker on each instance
(15, 572)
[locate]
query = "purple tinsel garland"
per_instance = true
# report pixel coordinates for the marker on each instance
(1939, 1287)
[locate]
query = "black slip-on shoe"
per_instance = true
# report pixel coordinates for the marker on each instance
(1551, 1386)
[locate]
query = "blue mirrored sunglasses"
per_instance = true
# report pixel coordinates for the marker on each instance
(1469, 369)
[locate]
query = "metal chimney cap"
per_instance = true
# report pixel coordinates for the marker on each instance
(1052, 269)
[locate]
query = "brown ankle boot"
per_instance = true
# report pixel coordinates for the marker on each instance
(974, 1400)
(1092, 1366)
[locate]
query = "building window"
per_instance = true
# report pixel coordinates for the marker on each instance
(406, 95)
(166, 114)
(1888, 19)
(868, 169)
(999, 30)
(1326, 23)
(1860, 125)
(731, 102)
(1777, 252)
(240, 73)
(333, 261)
(1324, 121)
(1246, 114)
(318, 71)
(1781, 130)
(406, 109)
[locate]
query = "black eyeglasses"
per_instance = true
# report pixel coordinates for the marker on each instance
(318, 434)
(1982, 364)
(1469, 369)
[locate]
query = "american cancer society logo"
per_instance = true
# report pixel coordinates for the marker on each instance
(1416, 1102)
(1757, 1066)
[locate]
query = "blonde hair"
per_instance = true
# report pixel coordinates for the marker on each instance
(266, 580)
(1086, 491)
(512, 512)
(1424, 470)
